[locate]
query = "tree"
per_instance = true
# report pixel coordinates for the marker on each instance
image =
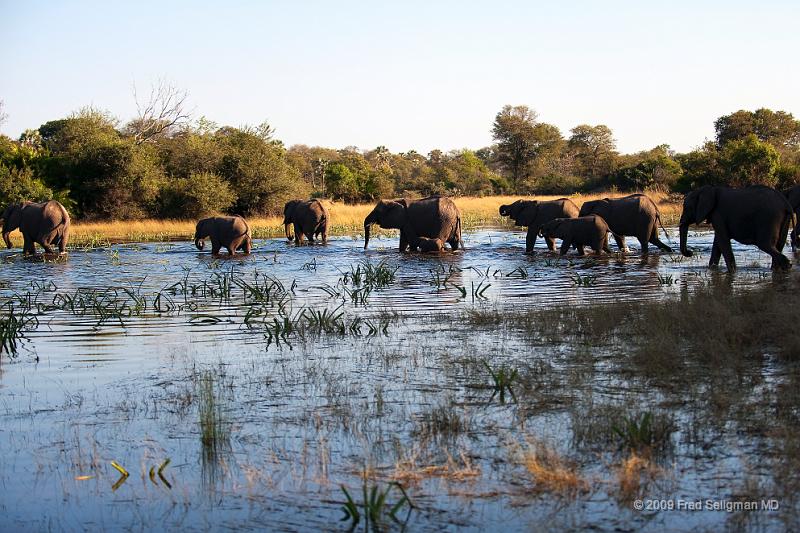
(258, 171)
(778, 128)
(18, 185)
(749, 161)
(201, 194)
(515, 134)
(594, 148)
(654, 169)
(700, 167)
(162, 113)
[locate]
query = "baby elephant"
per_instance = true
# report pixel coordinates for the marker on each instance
(589, 231)
(231, 232)
(430, 245)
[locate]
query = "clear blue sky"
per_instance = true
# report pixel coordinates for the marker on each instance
(408, 75)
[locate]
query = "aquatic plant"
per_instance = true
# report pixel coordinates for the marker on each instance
(502, 377)
(519, 272)
(584, 280)
(667, 279)
(479, 289)
(367, 274)
(14, 322)
(643, 433)
(551, 472)
(375, 506)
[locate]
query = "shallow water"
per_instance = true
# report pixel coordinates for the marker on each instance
(299, 416)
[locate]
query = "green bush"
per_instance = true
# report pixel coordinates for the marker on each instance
(18, 185)
(198, 195)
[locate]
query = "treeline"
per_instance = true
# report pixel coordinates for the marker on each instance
(159, 166)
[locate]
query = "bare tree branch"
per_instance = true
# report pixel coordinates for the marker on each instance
(162, 113)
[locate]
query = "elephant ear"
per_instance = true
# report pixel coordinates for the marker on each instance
(395, 215)
(527, 213)
(289, 208)
(12, 217)
(706, 201)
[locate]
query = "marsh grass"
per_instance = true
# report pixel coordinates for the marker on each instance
(635, 475)
(213, 422)
(15, 320)
(502, 377)
(443, 421)
(644, 433)
(715, 328)
(551, 472)
(375, 507)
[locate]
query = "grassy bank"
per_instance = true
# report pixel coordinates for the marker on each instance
(346, 220)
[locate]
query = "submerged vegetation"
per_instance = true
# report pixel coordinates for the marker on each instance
(266, 382)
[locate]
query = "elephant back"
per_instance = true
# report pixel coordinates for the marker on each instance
(435, 217)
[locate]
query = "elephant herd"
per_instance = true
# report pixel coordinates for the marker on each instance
(755, 215)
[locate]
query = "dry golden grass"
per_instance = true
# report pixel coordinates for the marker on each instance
(551, 472)
(346, 220)
(408, 471)
(634, 476)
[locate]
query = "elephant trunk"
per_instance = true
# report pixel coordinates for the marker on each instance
(366, 234)
(684, 229)
(200, 243)
(286, 229)
(7, 239)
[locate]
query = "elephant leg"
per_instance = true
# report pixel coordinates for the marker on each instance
(727, 253)
(606, 249)
(325, 234)
(716, 252)
(620, 240)
(215, 248)
(644, 245)
(779, 261)
(310, 237)
(579, 247)
(404, 244)
(530, 239)
(28, 247)
(247, 245)
(565, 244)
(453, 242)
(298, 234)
(658, 242)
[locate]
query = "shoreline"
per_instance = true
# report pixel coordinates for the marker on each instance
(347, 219)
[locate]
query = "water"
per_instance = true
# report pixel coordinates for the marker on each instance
(298, 416)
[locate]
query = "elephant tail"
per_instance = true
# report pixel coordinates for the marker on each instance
(458, 232)
(658, 217)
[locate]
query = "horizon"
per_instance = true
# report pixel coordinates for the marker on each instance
(412, 78)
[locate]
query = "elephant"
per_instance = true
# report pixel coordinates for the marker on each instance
(231, 232)
(589, 231)
(434, 217)
(310, 218)
(430, 245)
(793, 195)
(635, 215)
(756, 215)
(46, 223)
(534, 214)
